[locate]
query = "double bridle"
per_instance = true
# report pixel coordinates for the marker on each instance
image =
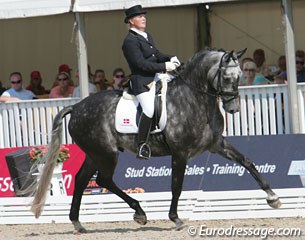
(219, 91)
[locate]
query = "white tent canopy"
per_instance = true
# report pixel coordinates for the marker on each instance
(105, 5)
(32, 8)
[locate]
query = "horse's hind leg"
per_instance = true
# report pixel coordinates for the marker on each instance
(81, 180)
(105, 180)
(226, 150)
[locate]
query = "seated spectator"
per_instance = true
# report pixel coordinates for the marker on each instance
(281, 63)
(299, 57)
(64, 68)
(8, 99)
(250, 76)
(16, 90)
(118, 78)
(246, 59)
(91, 87)
(259, 59)
(2, 89)
(277, 79)
(36, 84)
(63, 89)
(99, 80)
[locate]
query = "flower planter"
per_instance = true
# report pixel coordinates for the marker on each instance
(19, 164)
(57, 187)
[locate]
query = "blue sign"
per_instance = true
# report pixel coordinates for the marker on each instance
(273, 156)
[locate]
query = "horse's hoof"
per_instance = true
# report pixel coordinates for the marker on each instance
(179, 225)
(276, 203)
(79, 231)
(78, 228)
(141, 219)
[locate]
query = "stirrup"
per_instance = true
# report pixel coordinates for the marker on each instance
(144, 151)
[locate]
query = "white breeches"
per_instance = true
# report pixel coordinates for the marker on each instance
(147, 101)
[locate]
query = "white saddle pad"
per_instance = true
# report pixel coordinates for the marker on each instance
(126, 111)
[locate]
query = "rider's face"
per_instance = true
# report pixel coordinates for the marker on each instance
(138, 22)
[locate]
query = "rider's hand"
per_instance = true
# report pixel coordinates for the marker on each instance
(170, 66)
(176, 61)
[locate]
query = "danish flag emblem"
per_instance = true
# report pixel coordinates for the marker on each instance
(126, 121)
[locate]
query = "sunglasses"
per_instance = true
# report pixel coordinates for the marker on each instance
(250, 70)
(119, 76)
(17, 82)
(300, 62)
(62, 79)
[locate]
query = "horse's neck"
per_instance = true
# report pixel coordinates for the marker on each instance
(187, 90)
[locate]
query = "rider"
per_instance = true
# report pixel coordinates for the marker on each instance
(144, 61)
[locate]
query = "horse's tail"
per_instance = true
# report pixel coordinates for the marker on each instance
(49, 159)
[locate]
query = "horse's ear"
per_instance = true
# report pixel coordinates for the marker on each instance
(240, 53)
(228, 56)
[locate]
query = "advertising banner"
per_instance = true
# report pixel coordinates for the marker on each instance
(279, 159)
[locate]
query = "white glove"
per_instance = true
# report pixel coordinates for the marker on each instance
(176, 61)
(170, 66)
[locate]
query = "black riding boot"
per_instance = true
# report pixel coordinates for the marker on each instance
(144, 130)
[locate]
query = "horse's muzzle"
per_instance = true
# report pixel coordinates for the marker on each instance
(231, 104)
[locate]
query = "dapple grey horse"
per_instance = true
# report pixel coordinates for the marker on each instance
(194, 125)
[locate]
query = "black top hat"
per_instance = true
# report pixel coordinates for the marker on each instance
(133, 11)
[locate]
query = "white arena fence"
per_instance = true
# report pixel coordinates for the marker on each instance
(193, 205)
(264, 111)
(29, 123)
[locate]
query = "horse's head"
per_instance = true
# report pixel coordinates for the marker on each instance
(224, 78)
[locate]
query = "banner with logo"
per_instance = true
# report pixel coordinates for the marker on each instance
(279, 159)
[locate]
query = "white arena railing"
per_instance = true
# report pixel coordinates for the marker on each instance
(29, 123)
(264, 111)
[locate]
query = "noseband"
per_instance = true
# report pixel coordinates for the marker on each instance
(219, 91)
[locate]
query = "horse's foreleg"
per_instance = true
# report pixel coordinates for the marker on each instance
(178, 169)
(107, 182)
(228, 151)
(81, 180)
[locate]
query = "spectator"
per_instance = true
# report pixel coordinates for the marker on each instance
(36, 84)
(281, 62)
(246, 59)
(16, 89)
(259, 59)
(251, 77)
(99, 79)
(118, 77)
(8, 99)
(64, 68)
(2, 89)
(91, 87)
(299, 57)
(63, 89)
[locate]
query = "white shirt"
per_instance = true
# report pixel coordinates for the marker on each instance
(23, 94)
(143, 34)
(92, 89)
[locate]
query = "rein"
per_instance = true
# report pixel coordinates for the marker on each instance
(211, 91)
(219, 92)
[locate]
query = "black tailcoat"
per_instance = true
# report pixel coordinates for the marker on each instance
(144, 60)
